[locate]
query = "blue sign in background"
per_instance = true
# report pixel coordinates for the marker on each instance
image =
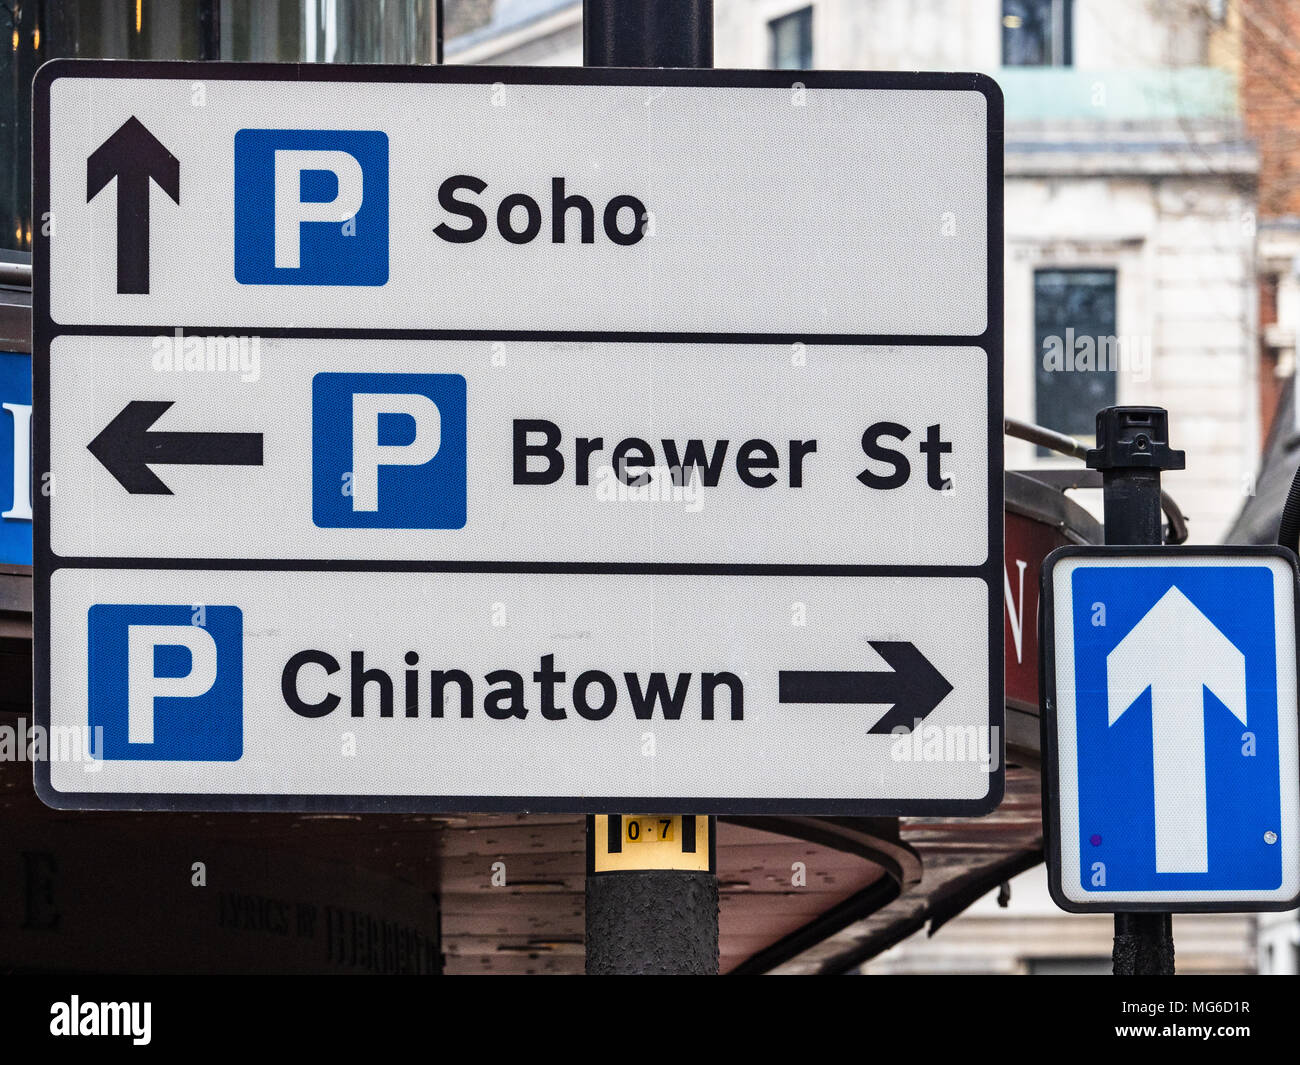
(16, 388)
(1116, 776)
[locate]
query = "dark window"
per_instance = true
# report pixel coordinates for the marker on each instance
(330, 31)
(1037, 33)
(791, 35)
(1075, 367)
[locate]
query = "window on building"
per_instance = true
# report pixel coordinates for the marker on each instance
(1037, 33)
(1075, 349)
(791, 36)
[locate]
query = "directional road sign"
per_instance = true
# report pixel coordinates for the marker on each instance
(1170, 728)
(470, 438)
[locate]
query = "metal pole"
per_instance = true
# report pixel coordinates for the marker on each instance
(650, 920)
(652, 895)
(1132, 449)
(633, 33)
(210, 29)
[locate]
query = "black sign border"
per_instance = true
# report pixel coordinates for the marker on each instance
(1052, 838)
(45, 330)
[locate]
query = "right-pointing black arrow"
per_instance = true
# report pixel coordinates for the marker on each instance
(126, 445)
(134, 156)
(913, 687)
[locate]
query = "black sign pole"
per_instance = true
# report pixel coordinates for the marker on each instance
(632, 33)
(652, 920)
(1132, 449)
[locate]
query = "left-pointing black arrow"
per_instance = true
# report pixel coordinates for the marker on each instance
(913, 687)
(126, 445)
(134, 156)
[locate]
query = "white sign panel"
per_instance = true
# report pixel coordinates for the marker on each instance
(499, 204)
(514, 686)
(651, 419)
(535, 451)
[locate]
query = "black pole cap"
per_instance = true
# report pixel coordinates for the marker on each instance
(1134, 438)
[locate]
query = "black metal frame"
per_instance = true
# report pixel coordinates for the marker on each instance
(1052, 841)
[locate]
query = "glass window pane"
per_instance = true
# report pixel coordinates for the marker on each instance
(328, 31)
(1036, 33)
(791, 37)
(1076, 356)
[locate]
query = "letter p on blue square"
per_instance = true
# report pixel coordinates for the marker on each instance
(166, 683)
(388, 451)
(311, 207)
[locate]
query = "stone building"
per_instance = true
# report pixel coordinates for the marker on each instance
(1130, 193)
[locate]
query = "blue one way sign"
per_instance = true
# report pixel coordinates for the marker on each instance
(1170, 729)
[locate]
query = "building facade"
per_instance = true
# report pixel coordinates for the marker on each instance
(1130, 193)
(1266, 54)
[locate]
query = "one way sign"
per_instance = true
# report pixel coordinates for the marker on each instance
(1170, 729)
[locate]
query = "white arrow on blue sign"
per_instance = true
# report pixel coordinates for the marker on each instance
(1171, 773)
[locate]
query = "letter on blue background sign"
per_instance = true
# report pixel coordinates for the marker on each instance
(15, 458)
(311, 207)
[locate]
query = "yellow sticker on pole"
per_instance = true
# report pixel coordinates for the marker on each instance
(623, 843)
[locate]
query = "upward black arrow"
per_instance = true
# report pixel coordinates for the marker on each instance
(913, 687)
(133, 155)
(126, 445)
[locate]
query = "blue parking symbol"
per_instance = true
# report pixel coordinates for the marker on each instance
(389, 451)
(311, 207)
(166, 683)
